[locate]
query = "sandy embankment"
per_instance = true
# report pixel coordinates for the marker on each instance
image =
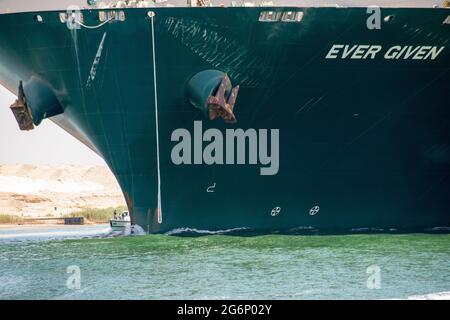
(38, 191)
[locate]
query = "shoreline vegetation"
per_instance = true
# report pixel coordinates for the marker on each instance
(90, 215)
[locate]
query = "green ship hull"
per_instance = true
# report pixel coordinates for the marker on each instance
(362, 115)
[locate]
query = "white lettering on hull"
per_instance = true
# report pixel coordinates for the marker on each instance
(364, 51)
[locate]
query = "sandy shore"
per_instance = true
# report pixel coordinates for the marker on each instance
(40, 191)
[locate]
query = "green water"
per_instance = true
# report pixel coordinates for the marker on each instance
(229, 267)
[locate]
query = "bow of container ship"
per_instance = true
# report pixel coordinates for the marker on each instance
(263, 119)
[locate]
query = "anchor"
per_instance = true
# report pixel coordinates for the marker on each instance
(211, 91)
(36, 101)
(21, 111)
(221, 107)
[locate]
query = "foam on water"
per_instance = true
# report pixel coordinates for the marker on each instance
(179, 231)
(130, 230)
(136, 230)
(443, 228)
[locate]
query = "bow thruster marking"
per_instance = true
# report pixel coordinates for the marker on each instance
(314, 210)
(275, 211)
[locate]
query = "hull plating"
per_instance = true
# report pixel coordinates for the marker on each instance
(363, 143)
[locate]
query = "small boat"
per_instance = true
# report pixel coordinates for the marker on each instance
(121, 223)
